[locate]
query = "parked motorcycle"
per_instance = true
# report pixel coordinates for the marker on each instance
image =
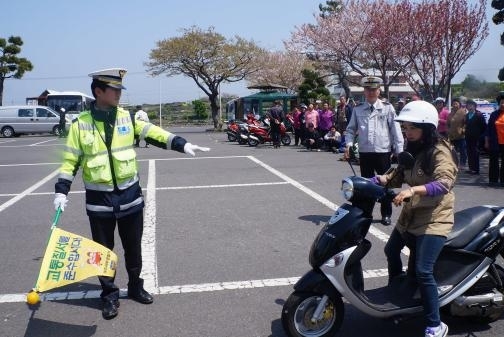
(261, 134)
(232, 131)
(470, 281)
(237, 132)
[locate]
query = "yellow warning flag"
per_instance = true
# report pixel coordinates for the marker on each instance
(72, 258)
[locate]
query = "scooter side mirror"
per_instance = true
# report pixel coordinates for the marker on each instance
(405, 160)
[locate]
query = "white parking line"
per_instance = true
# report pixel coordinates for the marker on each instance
(32, 164)
(221, 186)
(149, 257)
(28, 191)
(178, 289)
(373, 230)
(45, 141)
(295, 183)
(168, 188)
(7, 141)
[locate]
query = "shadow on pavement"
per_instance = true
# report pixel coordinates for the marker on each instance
(317, 220)
(41, 327)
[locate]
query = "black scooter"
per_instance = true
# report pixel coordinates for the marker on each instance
(470, 282)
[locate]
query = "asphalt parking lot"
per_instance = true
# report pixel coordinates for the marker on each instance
(227, 234)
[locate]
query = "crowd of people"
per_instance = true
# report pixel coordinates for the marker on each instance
(318, 127)
(469, 133)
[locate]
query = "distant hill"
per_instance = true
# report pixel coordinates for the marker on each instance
(178, 112)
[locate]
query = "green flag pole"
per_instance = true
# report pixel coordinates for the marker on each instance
(32, 296)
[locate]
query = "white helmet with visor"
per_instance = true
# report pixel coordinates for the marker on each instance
(421, 112)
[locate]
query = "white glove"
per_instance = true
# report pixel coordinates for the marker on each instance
(190, 149)
(60, 201)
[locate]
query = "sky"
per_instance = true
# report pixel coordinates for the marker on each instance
(66, 40)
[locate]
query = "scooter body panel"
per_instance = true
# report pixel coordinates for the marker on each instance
(346, 228)
(316, 281)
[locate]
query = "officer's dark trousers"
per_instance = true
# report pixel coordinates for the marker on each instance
(496, 174)
(371, 162)
(62, 129)
(130, 231)
(275, 134)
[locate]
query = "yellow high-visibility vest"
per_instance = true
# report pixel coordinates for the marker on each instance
(102, 167)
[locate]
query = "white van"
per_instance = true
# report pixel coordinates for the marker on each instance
(24, 119)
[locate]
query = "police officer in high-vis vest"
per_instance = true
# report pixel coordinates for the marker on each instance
(101, 142)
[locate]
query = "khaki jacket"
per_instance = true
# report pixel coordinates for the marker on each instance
(456, 123)
(426, 214)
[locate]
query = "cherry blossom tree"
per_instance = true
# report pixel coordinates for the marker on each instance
(452, 32)
(427, 40)
(359, 39)
(281, 68)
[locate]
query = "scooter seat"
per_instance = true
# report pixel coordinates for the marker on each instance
(469, 223)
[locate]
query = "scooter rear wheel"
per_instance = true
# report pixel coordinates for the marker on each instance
(298, 311)
(252, 142)
(231, 137)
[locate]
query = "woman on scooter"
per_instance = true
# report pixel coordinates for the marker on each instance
(427, 215)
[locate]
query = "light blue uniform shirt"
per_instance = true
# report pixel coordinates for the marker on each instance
(376, 128)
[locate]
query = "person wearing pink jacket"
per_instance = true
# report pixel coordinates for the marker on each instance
(312, 116)
(443, 113)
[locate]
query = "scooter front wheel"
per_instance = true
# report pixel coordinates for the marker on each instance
(286, 140)
(298, 315)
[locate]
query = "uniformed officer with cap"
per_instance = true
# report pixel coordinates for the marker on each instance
(378, 135)
(101, 142)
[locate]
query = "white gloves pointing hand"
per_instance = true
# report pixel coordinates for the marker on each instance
(190, 149)
(60, 201)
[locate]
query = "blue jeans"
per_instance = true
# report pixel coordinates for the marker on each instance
(424, 252)
(393, 249)
(461, 148)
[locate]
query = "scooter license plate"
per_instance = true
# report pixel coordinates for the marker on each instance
(338, 215)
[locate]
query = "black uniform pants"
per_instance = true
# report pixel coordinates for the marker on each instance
(130, 230)
(275, 133)
(371, 162)
(62, 129)
(496, 170)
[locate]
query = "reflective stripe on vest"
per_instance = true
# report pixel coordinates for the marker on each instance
(109, 188)
(66, 176)
(135, 202)
(98, 208)
(144, 131)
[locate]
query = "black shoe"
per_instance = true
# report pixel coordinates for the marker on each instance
(110, 309)
(141, 296)
(386, 221)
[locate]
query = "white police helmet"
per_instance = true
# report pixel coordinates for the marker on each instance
(419, 112)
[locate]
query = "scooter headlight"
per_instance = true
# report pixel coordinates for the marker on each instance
(347, 189)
